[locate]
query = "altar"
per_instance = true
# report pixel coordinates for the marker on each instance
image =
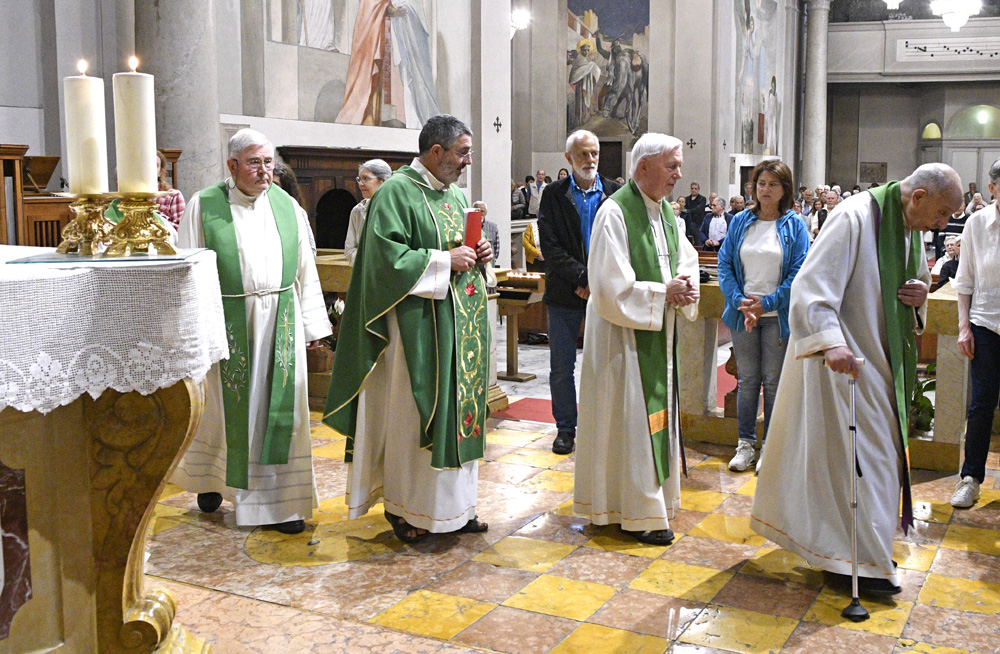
(101, 385)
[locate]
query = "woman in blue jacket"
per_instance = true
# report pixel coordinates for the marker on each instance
(762, 253)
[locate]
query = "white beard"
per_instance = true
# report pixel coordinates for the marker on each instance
(585, 175)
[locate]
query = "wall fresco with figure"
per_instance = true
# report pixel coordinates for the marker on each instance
(760, 27)
(607, 67)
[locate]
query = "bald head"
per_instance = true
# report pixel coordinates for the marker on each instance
(930, 194)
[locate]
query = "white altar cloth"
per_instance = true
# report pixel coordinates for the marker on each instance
(83, 327)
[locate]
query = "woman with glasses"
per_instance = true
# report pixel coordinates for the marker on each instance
(371, 174)
(764, 249)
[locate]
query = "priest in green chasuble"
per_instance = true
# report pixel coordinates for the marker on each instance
(643, 273)
(860, 294)
(411, 372)
(252, 446)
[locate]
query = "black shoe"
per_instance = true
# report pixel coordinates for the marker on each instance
(290, 527)
(564, 442)
(209, 502)
(655, 537)
(881, 587)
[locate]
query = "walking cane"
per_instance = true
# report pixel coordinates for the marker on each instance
(854, 611)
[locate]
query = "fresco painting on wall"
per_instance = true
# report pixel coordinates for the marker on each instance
(758, 105)
(607, 67)
(387, 51)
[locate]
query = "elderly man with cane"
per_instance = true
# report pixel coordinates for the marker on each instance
(859, 295)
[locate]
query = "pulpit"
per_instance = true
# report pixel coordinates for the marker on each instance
(102, 369)
(518, 291)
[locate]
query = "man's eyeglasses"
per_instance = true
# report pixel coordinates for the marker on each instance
(256, 163)
(462, 155)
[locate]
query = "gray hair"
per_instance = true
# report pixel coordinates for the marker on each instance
(950, 239)
(244, 139)
(936, 179)
(442, 130)
(578, 136)
(651, 144)
(995, 171)
(377, 167)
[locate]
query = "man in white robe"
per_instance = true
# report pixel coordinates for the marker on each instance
(838, 314)
(627, 461)
(283, 495)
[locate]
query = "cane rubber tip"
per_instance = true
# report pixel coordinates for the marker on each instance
(855, 612)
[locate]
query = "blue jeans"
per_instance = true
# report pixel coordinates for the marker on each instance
(759, 356)
(564, 327)
(985, 393)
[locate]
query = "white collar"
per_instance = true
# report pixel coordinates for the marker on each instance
(652, 206)
(236, 196)
(428, 176)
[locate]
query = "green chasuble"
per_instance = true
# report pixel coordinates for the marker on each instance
(220, 236)
(651, 347)
(895, 267)
(445, 342)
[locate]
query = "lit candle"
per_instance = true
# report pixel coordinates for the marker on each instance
(135, 131)
(86, 136)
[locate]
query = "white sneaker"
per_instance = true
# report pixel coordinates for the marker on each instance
(760, 457)
(966, 493)
(744, 457)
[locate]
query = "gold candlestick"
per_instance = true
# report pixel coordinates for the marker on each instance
(89, 230)
(139, 229)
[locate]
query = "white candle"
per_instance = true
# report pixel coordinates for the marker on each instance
(135, 131)
(86, 136)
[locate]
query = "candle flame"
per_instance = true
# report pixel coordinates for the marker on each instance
(82, 66)
(133, 62)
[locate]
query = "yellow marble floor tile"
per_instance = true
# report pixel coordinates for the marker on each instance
(328, 538)
(512, 437)
(433, 614)
(749, 488)
(912, 556)
(676, 579)
(589, 638)
(525, 553)
(960, 594)
(553, 480)
(337, 506)
(612, 539)
(705, 501)
(167, 517)
(939, 512)
(712, 463)
(324, 431)
(170, 489)
(532, 457)
(907, 646)
(315, 415)
(971, 539)
(739, 630)
(566, 508)
(887, 618)
(729, 528)
(561, 597)
(334, 450)
(784, 565)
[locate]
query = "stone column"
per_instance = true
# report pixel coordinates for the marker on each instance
(814, 119)
(175, 42)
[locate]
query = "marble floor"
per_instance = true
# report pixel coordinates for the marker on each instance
(543, 580)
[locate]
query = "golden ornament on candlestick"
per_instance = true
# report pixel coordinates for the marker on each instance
(89, 230)
(139, 230)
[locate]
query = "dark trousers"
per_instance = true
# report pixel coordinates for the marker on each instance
(564, 327)
(985, 372)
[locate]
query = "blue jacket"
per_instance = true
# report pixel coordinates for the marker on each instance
(794, 239)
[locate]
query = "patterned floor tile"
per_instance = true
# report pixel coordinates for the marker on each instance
(482, 581)
(706, 501)
(782, 564)
(589, 638)
(525, 553)
(648, 613)
(334, 450)
(568, 529)
(975, 632)
(506, 473)
(561, 597)
(516, 438)
(612, 539)
(517, 632)
(739, 631)
(967, 565)
(887, 617)
(681, 580)
(961, 594)
(600, 567)
(709, 553)
(732, 529)
(766, 595)
(529, 457)
(912, 647)
(932, 511)
(912, 556)
(816, 638)
(971, 539)
(553, 480)
(433, 614)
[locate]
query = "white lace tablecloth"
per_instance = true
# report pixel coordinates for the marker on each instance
(83, 327)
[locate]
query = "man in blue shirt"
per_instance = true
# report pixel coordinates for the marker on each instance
(565, 219)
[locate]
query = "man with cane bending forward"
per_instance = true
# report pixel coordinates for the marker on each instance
(859, 294)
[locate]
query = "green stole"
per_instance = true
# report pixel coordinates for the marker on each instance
(651, 347)
(445, 342)
(220, 236)
(894, 270)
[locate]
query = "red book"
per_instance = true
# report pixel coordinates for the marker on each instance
(473, 227)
